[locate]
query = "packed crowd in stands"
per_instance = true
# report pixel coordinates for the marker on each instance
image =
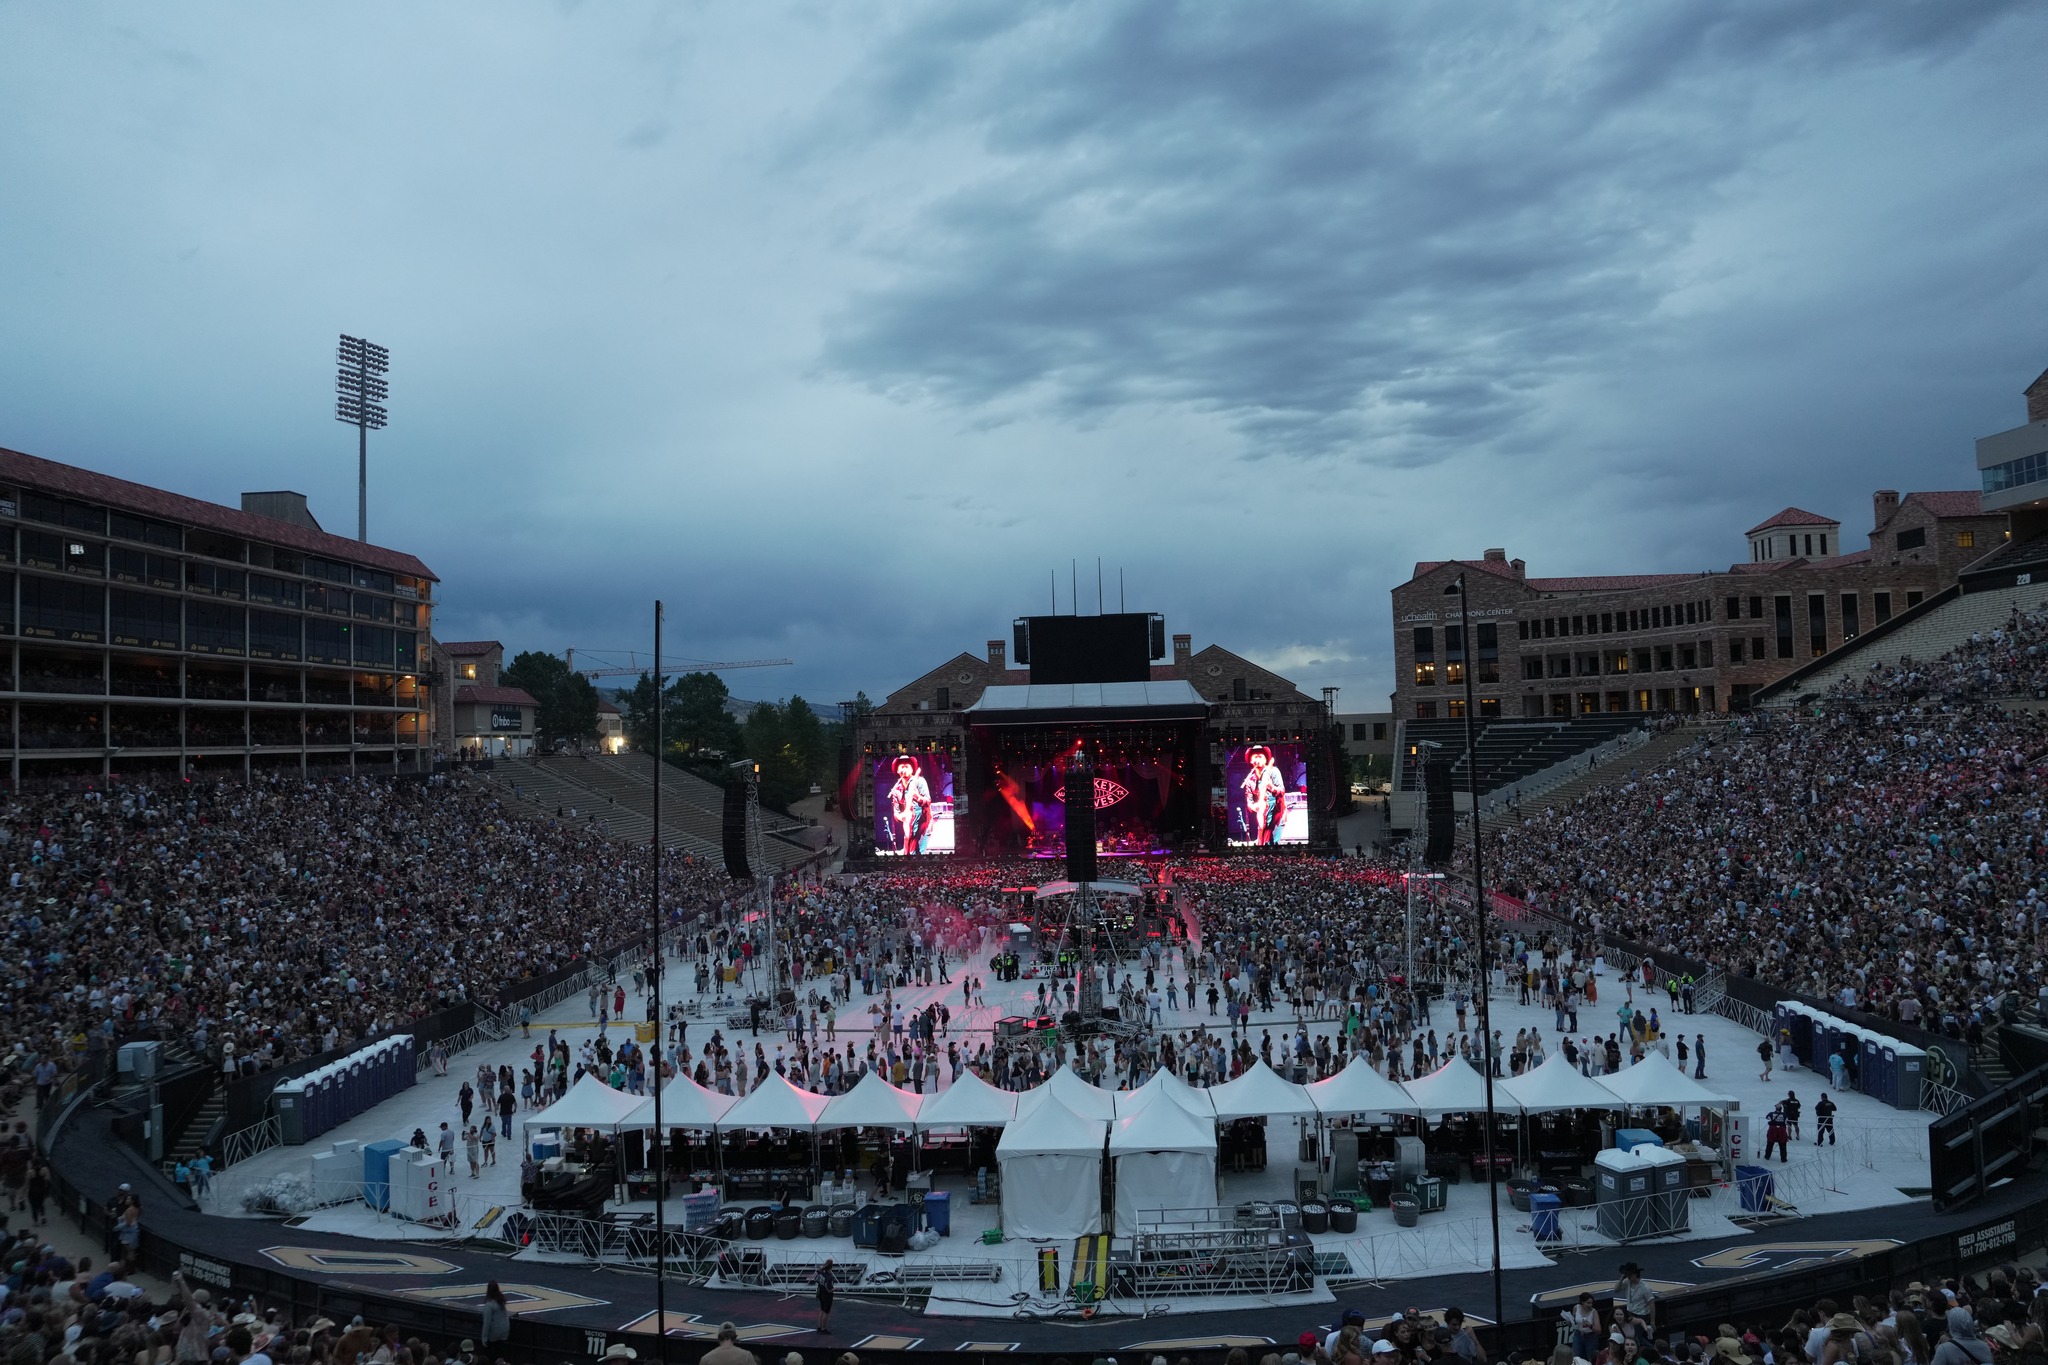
(1883, 850)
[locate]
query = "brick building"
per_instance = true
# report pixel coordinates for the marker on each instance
(1706, 641)
(155, 634)
(478, 716)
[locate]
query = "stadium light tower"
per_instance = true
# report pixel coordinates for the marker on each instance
(359, 396)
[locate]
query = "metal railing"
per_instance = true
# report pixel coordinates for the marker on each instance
(244, 1143)
(1939, 1098)
(1749, 1016)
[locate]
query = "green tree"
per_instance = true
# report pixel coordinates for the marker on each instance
(766, 739)
(698, 723)
(816, 751)
(568, 703)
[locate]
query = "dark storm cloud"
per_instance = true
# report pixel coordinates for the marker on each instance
(1359, 229)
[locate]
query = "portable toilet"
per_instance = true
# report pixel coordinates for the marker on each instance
(405, 1063)
(1852, 1059)
(356, 1088)
(320, 1099)
(1879, 1078)
(1669, 1203)
(377, 1159)
(1908, 1072)
(378, 1067)
(1802, 1032)
(1622, 1186)
(290, 1099)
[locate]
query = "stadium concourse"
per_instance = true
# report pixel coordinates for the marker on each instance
(1882, 848)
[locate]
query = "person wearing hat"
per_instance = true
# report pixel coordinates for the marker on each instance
(619, 1350)
(1963, 1346)
(1727, 1346)
(1265, 794)
(728, 1351)
(910, 806)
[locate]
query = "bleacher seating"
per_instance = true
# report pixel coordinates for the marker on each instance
(1931, 636)
(1506, 751)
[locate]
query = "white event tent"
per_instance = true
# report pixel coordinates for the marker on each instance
(775, 1103)
(1556, 1085)
(684, 1104)
(1163, 1084)
(1066, 1086)
(1358, 1089)
(1260, 1092)
(969, 1102)
(590, 1103)
(1165, 1159)
(1051, 1161)
(1456, 1087)
(872, 1103)
(1655, 1083)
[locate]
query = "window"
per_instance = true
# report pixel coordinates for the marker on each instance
(1425, 656)
(1589, 665)
(468, 672)
(1532, 667)
(216, 546)
(135, 566)
(1692, 613)
(1913, 596)
(945, 699)
(1784, 624)
(1756, 608)
(1756, 648)
(329, 570)
(1379, 729)
(1617, 661)
(273, 635)
(1358, 731)
(1966, 540)
(1735, 651)
(1489, 652)
(211, 628)
(124, 527)
(2027, 469)
(55, 609)
(1560, 703)
(1456, 709)
(1734, 608)
(1663, 658)
(1817, 622)
(1521, 630)
(1549, 627)
(1642, 658)
(1489, 708)
(1560, 665)
(215, 582)
(1910, 540)
(1578, 625)
(73, 516)
(145, 619)
(282, 592)
(1688, 656)
(1880, 607)
(1425, 710)
(326, 641)
(1850, 627)
(375, 645)
(1823, 543)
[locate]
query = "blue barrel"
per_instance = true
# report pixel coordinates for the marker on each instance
(1754, 1186)
(938, 1212)
(1543, 1217)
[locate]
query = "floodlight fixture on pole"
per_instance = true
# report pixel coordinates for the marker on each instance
(359, 397)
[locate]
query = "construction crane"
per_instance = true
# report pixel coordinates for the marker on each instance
(634, 668)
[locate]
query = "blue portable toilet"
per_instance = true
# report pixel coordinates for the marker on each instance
(1876, 1078)
(407, 1063)
(1827, 1042)
(1852, 1058)
(378, 1066)
(356, 1089)
(1909, 1071)
(1802, 1034)
(313, 1103)
(377, 1171)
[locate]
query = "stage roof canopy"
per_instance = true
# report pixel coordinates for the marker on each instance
(1032, 703)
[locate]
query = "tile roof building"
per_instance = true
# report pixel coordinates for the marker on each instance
(1560, 647)
(477, 716)
(154, 634)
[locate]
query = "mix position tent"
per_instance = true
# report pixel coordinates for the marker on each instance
(1052, 1172)
(969, 1102)
(775, 1103)
(684, 1104)
(1069, 1089)
(1456, 1087)
(1260, 1093)
(1164, 1085)
(1655, 1082)
(1165, 1159)
(590, 1103)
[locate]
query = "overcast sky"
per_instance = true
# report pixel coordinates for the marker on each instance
(839, 326)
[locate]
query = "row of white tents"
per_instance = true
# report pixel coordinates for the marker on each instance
(1057, 1135)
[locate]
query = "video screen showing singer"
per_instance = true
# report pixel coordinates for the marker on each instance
(1265, 795)
(910, 806)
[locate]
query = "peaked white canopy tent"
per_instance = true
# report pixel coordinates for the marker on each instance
(1655, 1083)
(1165, 1159)
(1260, 1093)
(969, 1102)
(872, 1103)
(1051, 1160)
(684, 1104)
(590, 1103)
(1456, 1087)
(1164, 1085)
(1556, 1085)
(775, 1103)
(1069, 1089)
(1358, 1089)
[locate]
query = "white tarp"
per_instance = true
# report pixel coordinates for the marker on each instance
(969, 1102)
(1163, 1084)
(1456, 1087)
(1051, 1160)
(590, 1103)
(1358, 1089)
(1556, 1085)
(1654, 1081)
(775, 1103)
(1261, 1092)
(872, 1103)
(1165, 1159)
(1069, 1089)
(684, 1104)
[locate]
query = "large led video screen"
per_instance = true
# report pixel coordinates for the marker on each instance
(1265, 795)
(914, 804)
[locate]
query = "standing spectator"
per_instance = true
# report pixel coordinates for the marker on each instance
(1824, 1120)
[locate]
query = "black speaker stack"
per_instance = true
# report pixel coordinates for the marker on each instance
(1442, 820)
(737, 792)
(1080, 804)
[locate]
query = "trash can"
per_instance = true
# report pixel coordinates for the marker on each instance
(938, 1212)
(1519, 1191)
(1543, 1219)
(867, 1226)
(1754, 1186)
(1430, 1194)
(729, 1226)
(1289, 1214)
(760, 1223)
(789, 1224)
(1577, 1193)
(1405, 1210)
(1315, 1217)
(841, 1223)
(1343, 1216)
(816, 1219)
